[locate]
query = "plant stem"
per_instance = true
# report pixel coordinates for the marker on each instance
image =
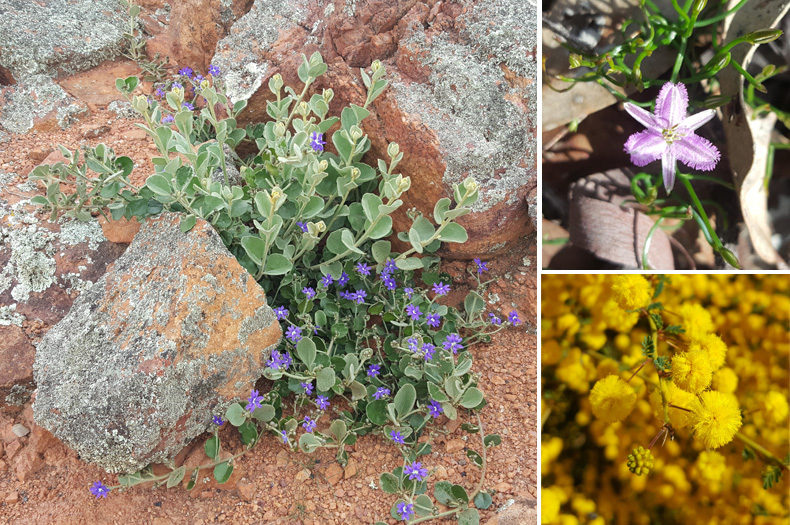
(716, 242)
(764, 452)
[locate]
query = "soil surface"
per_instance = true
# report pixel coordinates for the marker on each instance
(272, 484)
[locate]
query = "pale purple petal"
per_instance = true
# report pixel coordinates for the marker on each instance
(671, 104)
(668, 167)
(696, 152)
(645, 147)
(643, 117)
(696, 121)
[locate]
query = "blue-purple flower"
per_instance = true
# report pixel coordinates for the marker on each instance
(494, 319)
(435, 408)
(481, 266)
(363, 269)
(176, 85)
(217, 420)
(409, 292)
(100, 490)
(327, 279)
(374, 370)
(302, 226)
(213, 70)
(413, 343)
(309, 292)
(343, 280)
(322, 402)
(415, 471)
(168, 119)
(284, 435)
(185, 71)
(309, 424)
(513, 318)
(413, 312)
(670, 135)
(406, 510)
(294, 334)
(316, 141)
(359, 296)
(279, 360)
(441, 288)
(281, 312)
(428, 350)
(187, 105)
(308, 387)
(389, 282)
(397, 437)
(159, 92)
(381, 392)
(254, 401)
(433, 320)
(453, 342)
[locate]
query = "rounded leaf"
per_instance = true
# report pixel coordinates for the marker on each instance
(471, 398)
(222, 472)
(483, 500)
(389, 483)
(423, 505)
(235, 414)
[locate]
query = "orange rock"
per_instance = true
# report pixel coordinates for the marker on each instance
(454, 445)
(16, 360)
(122, 230)
(334, 473)
(97, 85)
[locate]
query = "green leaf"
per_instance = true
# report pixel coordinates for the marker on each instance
(483, 500)
(193, 479)
(305, 350)
(409, 263)
(235, 414)
(342, 145)
(264, 413)
(309, 443)
(255, 248)
(158, 184)
(40, 200)
(211, 447)
(453, 232)
(474, 303)
(131, 479)
(277, 264)
(476, 458)
(414, 240)
(222, 472)
(187, 223)
(382, 228)
(404, 399)
(436, 393)
(358, 391)
(371, 203)
(492, 440)
(176, 476)
(389, 483)
(325, 379)
(441, 207)
(381, 251)
(249, 432)
(377, 412)
(443, 492)
(469, 517)
(459, 493)
(423, 505)
(348, 241)
(449, 411)
(471, 398)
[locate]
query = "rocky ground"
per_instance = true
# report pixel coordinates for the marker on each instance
(42, 481)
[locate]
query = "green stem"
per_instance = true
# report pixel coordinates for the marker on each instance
(716, 242)
(646, 247)
(764, 452)
(722, 16)
(679, 58)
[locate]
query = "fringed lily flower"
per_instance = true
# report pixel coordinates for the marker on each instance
(670, 135)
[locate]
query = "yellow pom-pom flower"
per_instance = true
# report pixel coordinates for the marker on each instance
(711, 466)
(678, 397)
(725, 380)
(612, 399)
(775, 407)
(549, 506)
(696, 320)
(715, 347)
(631, 291)
(691, 370)
(716, 419)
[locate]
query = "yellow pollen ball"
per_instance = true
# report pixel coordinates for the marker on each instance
(691, 370)
(775, 407)
(696, 320)
(725, 380)
(612, 399)
(549, 505)
(631, 292)
(715, 347)
(678, 397)
(716, 419)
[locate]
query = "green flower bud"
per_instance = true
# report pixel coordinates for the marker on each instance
(323, 165)
(355, 173)
(328, 95)
(366, 354)
(279, 129)
(763, 36)
(320, 226)
(392, 150)
(204, 83)
(640, 461)
(470, 184)
(356, 133)
(697, 7)
(375, 66)
(730, 257)
(304, 109)
(716, 64)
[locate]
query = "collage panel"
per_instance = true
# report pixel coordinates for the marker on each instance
(664, 399)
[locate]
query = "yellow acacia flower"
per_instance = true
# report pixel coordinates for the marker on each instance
(775, 407)
(725, 380)
(717, 418)
(631, 291)
(711, 466)
(696, 320)
(612, 399)
(691, 370)
(549, 505)
(678, 397)
(714, 346)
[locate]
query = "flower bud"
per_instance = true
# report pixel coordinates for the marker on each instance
(328, 95)
(470, 184)
(204, 83)
(356, 133)
(729, 257)
(763, 36)
(697, 7)
(375, 66)
(320, 226)
(323, 165)
(279, 129)
(404, 183)
(640, 461)
(393, 149)
(355, 173)
(304, 109)
(366, 354)
(575, 60)
(716, 64)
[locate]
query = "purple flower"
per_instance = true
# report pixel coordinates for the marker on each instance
(374, 370)
(322, 402)
(359, 296)
(453, 342)
(363, 269)
(428, 349)
(284, 434)
(348, 295)
(406, 510)
(309, 424)
(281, 312)
(413, 343)
(389, 282)
(279, 360)
(315, 330)
(197, 78)
(168, 119)
(433, 320)
(254, 401)
(481, 266)
(408, 292)
(303, 226)
(159, 92)
(494, 319)
(513, 318)
(390, 266)
(413, 312)
(99, 490)
(670, 135)
(294, 334)
(381, 392)
(308, 387)
(217, 420)
(316, 142)
(327, 280)
(213, 70)
(441, 288)
(309, 292)
(188, 105)
(415, 471)
(343, 280)
(435, 408)
(396, 437)
(185, 71)
(176, 85)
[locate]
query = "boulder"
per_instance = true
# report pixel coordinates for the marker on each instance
(169, 336)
